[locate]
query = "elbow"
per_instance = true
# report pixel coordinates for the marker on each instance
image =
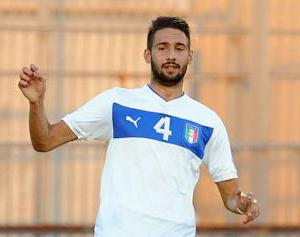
(41, 147)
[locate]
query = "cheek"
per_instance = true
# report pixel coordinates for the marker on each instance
(184, 60)
(157, 62)
(156, 58)
(159, 56)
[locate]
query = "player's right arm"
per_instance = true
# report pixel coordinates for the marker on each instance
(44, 136)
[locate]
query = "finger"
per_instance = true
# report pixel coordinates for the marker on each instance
(247, 220)
(27, 71)
(250, 196)
(241, 196)
(242, 201)
(249, 200)
(249, 217)
(37, 75)
(256, 212)
(25, 77)
(33, 68)
(23, 83)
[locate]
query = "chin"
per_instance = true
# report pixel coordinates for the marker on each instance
(171, 82)
(171, 77)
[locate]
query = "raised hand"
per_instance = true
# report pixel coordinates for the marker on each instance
(32, 84)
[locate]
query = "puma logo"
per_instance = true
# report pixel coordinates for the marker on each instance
(135, 122)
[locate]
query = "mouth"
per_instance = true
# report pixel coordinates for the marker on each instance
(170, 66)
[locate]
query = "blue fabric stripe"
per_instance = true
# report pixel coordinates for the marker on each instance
(122, 128)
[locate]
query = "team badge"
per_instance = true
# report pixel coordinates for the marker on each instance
(191, 133)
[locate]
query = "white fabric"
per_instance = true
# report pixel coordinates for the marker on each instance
(147, 184)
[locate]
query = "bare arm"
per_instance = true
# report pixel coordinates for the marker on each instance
(44, 136)
(238, 202)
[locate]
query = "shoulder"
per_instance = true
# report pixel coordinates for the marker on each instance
(127, 91)
(129, 97)
(113, 93)
(206, 115)
(209, 118)
(120, 91)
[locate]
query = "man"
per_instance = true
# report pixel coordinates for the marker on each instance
(158, 137)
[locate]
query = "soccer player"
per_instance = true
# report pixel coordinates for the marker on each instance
(158, 137)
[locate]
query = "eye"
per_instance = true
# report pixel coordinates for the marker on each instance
(180, 48)
(161, 48)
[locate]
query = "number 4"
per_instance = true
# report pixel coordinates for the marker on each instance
(163, 127)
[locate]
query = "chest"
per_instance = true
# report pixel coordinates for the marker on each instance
(163, 127)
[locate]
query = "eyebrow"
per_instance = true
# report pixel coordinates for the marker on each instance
(166, 43)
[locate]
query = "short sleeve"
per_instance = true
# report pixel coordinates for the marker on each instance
(218, 157)
(92, 121)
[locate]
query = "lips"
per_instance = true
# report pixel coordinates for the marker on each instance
(170, 65)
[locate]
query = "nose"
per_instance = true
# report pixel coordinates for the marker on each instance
(172, 55)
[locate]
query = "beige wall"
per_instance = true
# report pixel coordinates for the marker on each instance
(248, 71)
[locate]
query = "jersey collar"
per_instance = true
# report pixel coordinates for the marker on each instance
(157, 96)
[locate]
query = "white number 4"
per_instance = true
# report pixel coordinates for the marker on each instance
(163, 127)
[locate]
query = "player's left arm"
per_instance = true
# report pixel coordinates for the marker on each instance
(238, 202)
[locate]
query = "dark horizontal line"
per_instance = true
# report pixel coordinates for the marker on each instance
(253, 228)
(200, 228)
(46, 229)
(127, 27)
(130, 27)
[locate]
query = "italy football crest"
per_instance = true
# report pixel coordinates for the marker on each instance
(191, 134)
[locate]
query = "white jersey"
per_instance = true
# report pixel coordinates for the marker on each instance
(153, 158)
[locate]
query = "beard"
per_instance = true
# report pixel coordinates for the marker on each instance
(166, 80)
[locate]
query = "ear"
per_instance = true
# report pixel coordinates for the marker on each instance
(147, 56)
(191, 56)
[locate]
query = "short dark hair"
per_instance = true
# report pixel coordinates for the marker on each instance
(167, 22)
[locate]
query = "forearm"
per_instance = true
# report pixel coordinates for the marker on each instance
(44, 136)
(38, 126)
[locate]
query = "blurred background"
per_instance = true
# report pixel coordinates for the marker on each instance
(246, 68)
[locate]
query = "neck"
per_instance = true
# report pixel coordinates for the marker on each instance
(166, 92)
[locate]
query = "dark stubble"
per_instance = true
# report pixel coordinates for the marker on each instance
(165, 80)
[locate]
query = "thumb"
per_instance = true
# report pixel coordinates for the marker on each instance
(241, 199)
